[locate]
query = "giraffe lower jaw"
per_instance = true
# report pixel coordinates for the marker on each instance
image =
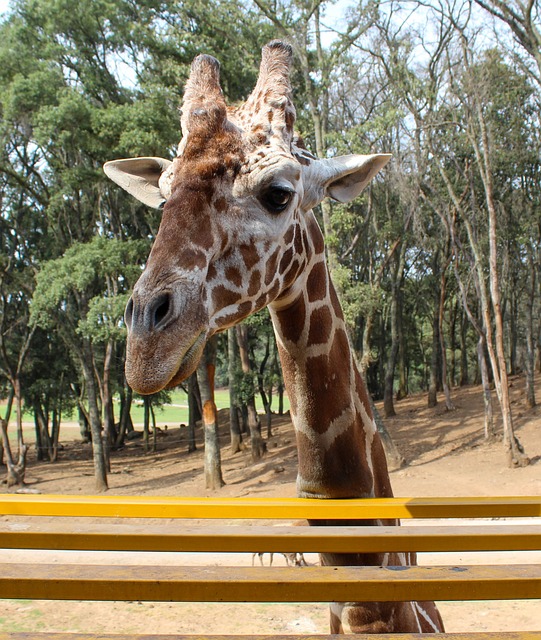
(189, 361)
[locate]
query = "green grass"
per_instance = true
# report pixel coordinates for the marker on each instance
(172, 414)
(177, 411)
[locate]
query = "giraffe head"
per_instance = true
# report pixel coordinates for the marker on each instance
(237, 228)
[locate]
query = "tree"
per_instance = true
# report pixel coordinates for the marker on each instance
(257, 444)
(232, 372)
(206, 377)
(72, 295)
(523, 20)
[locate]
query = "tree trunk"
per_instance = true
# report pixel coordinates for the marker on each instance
(394, 459)
(44, 446)
(234, 425)
(256, 441)
(154, 429)
(514, 451)
(100, 469)
(205, 378)
(464, 371)
(435, 366)
(107, 397)
(443, 349)
(84, 422)
(55, 435)
(146, 420)
(15, 470)
(40, 456)
(396, 291)
(266, 399)
(530, 341)
(126, 424)
(192, 412)
(490, 431)
(280, 397)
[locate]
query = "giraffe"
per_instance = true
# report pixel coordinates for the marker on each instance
(237, 234)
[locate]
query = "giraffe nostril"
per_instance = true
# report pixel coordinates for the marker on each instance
(160, 310)
(128, 313)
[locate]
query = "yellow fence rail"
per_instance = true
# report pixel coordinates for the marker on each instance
(265, 508)
(268, 584)
(263, 539)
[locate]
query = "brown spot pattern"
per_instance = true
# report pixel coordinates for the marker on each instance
(320, 326)
(223, 297)
(233, 275)
(292, 322)
(249, 255)
(255, 283)
(211, 272)
(331, 382)
(270, 268)
(288, 237)
(285, 261)
(316, 283)
(220, 204)
(191, 258)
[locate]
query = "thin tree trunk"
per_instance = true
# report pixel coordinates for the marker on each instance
(125, 415)
(464, 371)
(394, 458)
(146, 420)
(15, 470)
(100, 469)
(43, 440)
(154, 429)
(205, 378)
(490, 432)
(388, 387)
(435, 367)
(107, 397)
(514, 451)
(192, 412)
(234, 425)
(443, 349)
(530, 342)
(257, 443)
(280, 397)
(388, 401)
(265, 399)
(55, 435)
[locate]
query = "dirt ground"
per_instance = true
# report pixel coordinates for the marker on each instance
(446, 456)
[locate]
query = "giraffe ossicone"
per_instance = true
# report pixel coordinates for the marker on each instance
(238, 234)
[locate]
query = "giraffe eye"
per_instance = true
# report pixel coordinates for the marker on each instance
(276, 199)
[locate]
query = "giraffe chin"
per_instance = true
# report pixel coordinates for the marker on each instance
(189, 361)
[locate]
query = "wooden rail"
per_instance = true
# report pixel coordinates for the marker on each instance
(264, 539)
(268, 508)
(156, 583)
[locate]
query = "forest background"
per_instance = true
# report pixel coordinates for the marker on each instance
(438, 264)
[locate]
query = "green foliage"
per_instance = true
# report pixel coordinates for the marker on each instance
(88, 277)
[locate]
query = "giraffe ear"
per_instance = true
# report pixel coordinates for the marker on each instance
(347, 176)
(141, 178)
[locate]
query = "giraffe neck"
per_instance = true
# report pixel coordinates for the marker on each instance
(339, 449)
